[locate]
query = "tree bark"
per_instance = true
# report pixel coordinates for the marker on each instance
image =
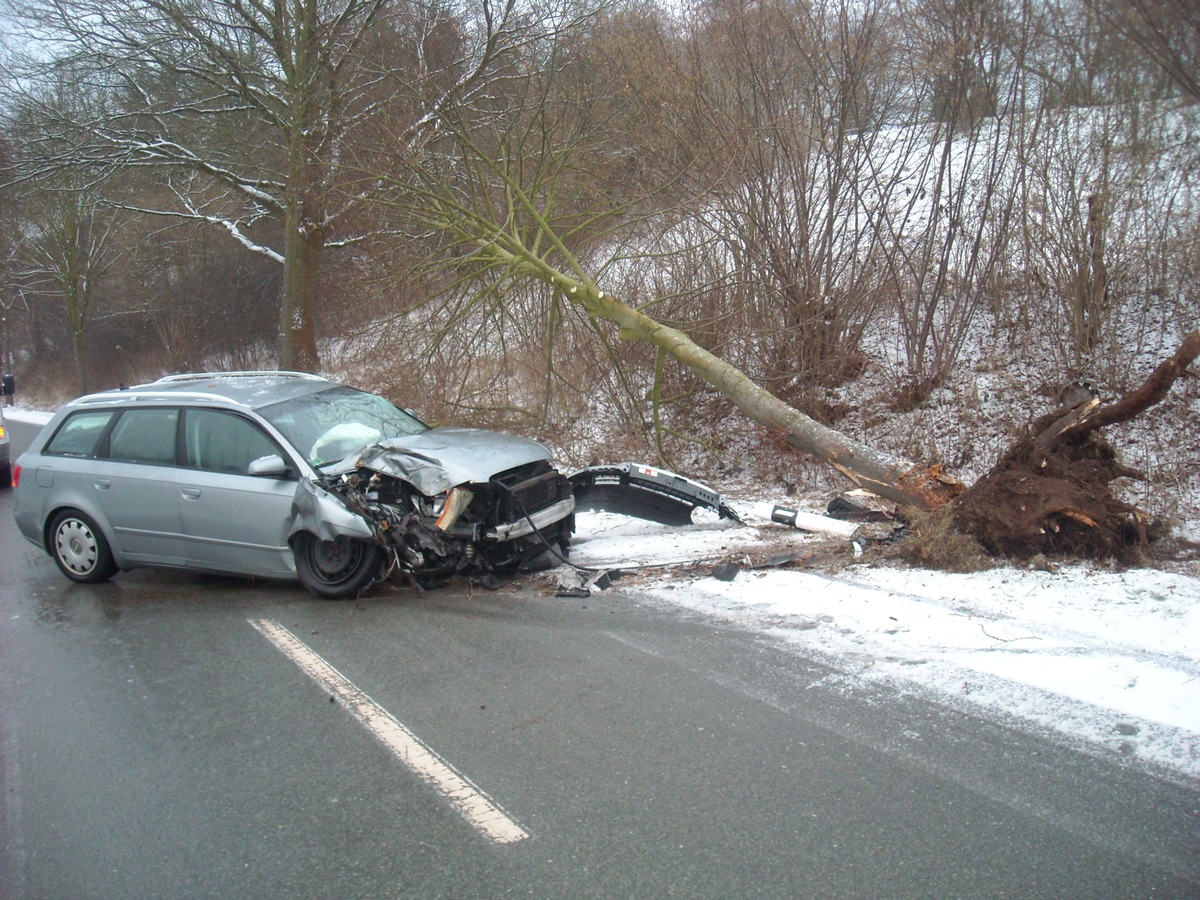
(895, 479)
(1091, 416)
(304, 245)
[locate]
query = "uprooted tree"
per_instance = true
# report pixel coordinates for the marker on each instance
(1050, 493)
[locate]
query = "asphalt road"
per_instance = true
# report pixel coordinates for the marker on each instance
(156, 742)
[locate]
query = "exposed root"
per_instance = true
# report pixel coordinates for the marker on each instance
(1050, 493)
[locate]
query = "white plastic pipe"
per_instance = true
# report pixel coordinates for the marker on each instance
(809, 521)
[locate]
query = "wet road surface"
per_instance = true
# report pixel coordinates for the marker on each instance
(155, 740)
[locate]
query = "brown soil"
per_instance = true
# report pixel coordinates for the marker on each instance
(1056, 502)
(1050, 494)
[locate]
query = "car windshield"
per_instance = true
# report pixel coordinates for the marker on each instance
(334, 423)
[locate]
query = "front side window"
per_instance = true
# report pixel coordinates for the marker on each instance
(144, 436)
(80, 433)
(223, 442)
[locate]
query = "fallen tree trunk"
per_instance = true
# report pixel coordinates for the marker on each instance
(1050, 493)
(521, 248)
(898, 480)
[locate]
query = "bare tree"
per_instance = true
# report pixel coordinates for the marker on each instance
(251, 110)
(69, 249)
(802, 89)
(1167, 31)
(63, 239)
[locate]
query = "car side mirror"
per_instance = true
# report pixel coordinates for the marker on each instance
(8, 386)
(271, 466)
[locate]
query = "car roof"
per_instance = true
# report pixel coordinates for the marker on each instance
(249, 389)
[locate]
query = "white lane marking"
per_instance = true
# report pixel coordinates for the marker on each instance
(475, 806)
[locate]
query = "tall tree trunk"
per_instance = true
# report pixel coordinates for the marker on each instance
(304, 237)
(80, 362)
(304, 246)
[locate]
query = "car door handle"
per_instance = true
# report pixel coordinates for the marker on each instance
(103, 484)
(191, 493)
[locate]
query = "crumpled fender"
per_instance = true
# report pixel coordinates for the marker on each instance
(325, 515)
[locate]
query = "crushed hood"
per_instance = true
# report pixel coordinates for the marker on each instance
(441, 458)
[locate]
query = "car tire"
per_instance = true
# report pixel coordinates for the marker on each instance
(6, 475)
(337, 569)
(80, 548)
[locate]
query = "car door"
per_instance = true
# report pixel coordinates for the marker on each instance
(134, 482)
(233, 521)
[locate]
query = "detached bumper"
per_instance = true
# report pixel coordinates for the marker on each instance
(646, 492)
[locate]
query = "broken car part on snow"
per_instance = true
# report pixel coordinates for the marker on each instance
(646, 492)
(662, 496)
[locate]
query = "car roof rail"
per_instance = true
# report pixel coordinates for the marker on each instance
(248, 373)
(134, 394)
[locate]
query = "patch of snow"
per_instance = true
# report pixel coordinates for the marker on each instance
(33, 417)
(1104, 657)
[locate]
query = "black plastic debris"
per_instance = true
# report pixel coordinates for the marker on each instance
(726, 571)
(848, 510)
(645, 492)
(601, 581)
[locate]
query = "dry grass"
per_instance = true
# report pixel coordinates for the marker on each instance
(934, 543)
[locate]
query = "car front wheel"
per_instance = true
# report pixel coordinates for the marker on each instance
(337, 569)
(80, 549)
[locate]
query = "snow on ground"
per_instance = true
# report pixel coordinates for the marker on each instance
(33, 417)
(1109, 658)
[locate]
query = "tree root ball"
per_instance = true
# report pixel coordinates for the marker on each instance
(1050, 493)
(1055, 502)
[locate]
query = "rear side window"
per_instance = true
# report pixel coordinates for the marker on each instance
(144, 436)
(79, 434)
(223, 442)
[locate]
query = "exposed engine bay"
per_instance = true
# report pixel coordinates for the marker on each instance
(520, 519)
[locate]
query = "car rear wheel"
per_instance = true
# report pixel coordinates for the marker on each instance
(337, 569)
(6, 475)
(80, 549)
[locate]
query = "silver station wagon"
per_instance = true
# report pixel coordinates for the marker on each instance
(283, 475)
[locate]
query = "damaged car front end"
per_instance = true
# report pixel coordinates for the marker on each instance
(431, 502)
(458, 501)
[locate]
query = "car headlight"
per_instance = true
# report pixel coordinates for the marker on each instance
(452, 506)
